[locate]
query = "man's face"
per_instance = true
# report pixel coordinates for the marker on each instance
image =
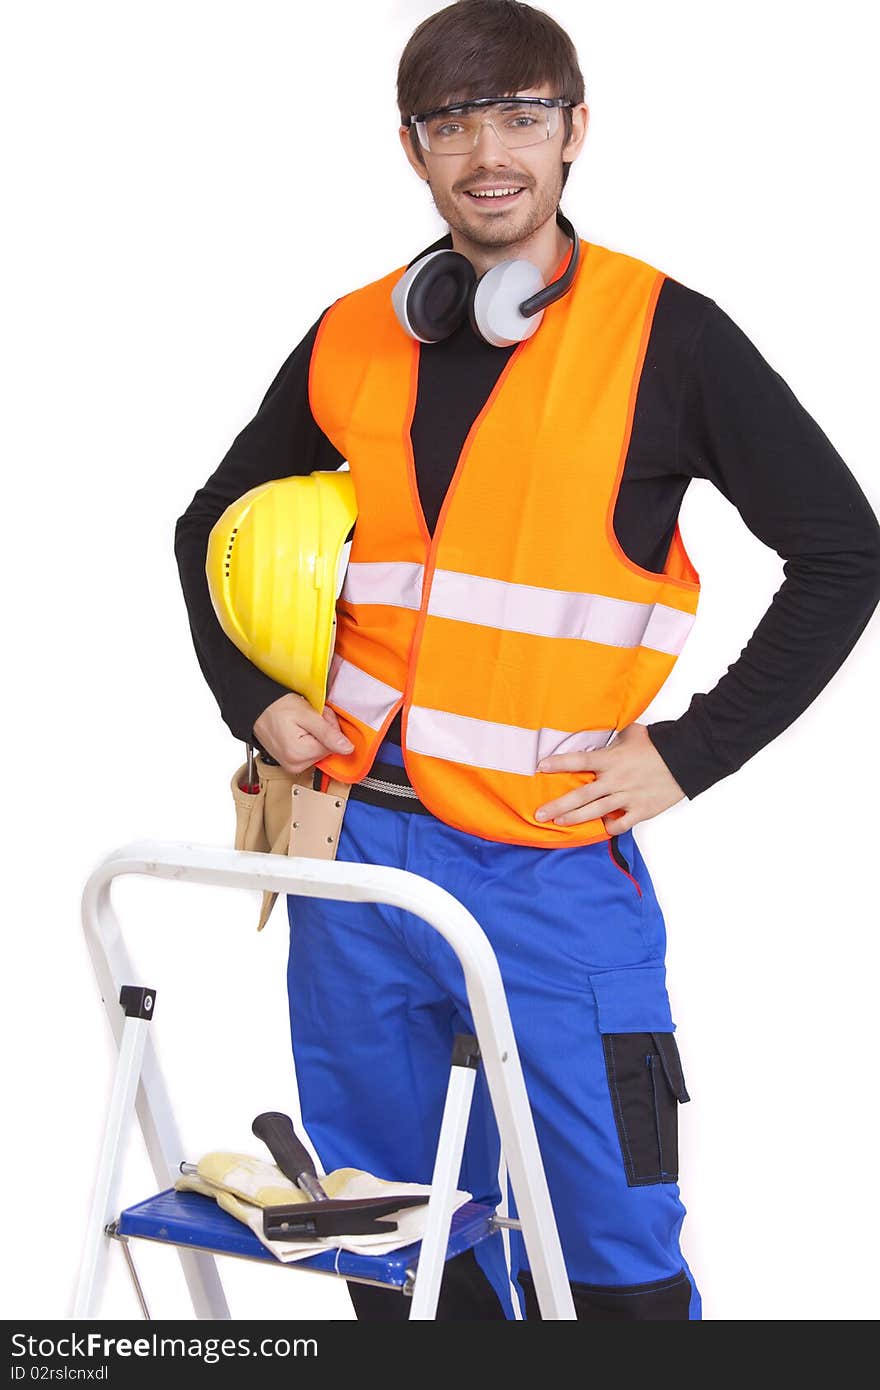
(535, 169)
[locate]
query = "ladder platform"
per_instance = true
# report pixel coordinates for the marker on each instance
(192, 1220)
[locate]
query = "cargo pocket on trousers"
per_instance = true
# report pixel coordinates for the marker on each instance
(642, 1064)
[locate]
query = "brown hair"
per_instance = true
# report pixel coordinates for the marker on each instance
(478, 48)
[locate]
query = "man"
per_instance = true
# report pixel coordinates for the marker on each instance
(518, 590)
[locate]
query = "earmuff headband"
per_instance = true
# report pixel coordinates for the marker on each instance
(557, 288)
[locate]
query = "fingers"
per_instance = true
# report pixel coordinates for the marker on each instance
(572, 808)
(330, 721)
(297, 736)
(301, 746)
(301, 753)
(593, 810)
(570, 800)
(581, 760)
(323, 730)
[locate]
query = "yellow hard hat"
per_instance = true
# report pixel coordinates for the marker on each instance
(275, 566)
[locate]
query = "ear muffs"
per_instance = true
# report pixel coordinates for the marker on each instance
(504, 306)
(431, 298)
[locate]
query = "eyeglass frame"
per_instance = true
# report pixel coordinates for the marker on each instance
(420, 117)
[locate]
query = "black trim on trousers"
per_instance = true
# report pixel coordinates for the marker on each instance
(660, 1299)
(646, 1086)
(618, 855)
(466, 1295)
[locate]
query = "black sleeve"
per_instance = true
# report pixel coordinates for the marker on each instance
(741, 427)
(281, 440)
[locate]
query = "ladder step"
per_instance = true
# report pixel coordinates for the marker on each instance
(197, 1222)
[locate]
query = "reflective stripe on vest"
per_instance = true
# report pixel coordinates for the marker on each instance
(470, 598)
(521, 628)
(452, 736)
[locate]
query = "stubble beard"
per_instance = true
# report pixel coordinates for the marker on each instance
(542, 202)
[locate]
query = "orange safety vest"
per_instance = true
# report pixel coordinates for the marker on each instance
(521, 628)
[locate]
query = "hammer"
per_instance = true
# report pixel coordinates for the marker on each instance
(322, 1215)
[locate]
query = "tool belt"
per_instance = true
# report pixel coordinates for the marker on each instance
(287, 813)
(280, 812)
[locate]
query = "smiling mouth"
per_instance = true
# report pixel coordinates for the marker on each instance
(491, 197)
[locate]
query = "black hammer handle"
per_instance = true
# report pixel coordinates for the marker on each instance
(292, 1156)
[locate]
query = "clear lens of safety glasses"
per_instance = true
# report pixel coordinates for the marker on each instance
(456, 130)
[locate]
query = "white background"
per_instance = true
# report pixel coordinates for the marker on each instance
(188, 186)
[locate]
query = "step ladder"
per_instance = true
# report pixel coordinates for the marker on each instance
(195, 1225)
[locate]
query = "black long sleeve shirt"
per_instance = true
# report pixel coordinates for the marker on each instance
(708, 406)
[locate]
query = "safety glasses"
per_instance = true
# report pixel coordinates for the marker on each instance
(517, 122)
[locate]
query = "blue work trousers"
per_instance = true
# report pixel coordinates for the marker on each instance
(377, 996)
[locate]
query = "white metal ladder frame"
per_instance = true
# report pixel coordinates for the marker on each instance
(139, 1085)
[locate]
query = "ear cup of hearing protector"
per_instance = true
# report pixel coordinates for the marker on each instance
(493, 306)
(432, 297)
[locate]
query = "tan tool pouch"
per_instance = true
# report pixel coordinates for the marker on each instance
(287, 816)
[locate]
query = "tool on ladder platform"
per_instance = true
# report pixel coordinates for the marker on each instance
(322, 1216)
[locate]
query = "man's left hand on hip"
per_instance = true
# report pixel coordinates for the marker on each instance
(632, 783)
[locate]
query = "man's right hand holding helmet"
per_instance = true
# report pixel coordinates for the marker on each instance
(297, 736)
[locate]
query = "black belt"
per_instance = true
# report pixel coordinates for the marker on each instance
(388, 785)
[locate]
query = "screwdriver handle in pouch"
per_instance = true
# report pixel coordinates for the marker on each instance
(292, 1157)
